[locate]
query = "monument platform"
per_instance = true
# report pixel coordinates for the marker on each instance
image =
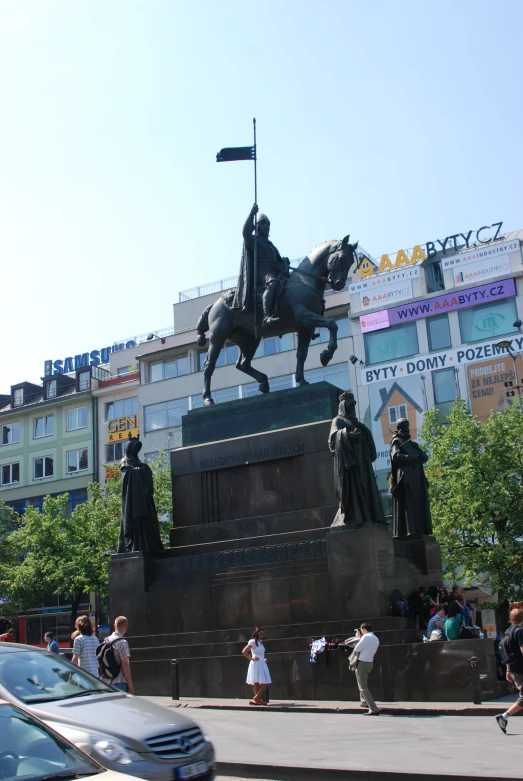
(252, 546)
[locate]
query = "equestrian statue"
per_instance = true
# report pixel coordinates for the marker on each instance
(284, 300)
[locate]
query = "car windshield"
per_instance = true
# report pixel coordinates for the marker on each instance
(39, 676)
(29, 751)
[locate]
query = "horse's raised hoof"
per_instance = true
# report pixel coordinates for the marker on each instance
(263, 387)
(325, 357)
(202, 340)
(208, 402)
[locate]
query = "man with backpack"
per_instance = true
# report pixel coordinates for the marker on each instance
(511, 653)
(113, 658)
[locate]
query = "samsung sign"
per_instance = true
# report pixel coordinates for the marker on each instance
(82, 361)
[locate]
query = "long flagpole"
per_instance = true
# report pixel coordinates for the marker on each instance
(255, 236)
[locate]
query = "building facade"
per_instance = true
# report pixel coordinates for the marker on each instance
(415, 331)
(48, 436)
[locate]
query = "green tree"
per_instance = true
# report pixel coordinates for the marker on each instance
(57, 552)
(54, 551)
(475, 474)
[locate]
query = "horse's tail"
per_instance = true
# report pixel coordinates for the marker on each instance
(203, 326)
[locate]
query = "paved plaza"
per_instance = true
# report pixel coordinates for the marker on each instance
(466, 746)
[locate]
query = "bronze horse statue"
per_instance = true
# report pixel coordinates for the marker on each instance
(300, 308)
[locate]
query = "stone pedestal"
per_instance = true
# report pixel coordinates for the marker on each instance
(252, 545)
(281, 409)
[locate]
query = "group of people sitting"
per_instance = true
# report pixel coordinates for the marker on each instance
(445, 615)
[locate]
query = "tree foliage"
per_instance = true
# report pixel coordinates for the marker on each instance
(54, 551)
(475, 473)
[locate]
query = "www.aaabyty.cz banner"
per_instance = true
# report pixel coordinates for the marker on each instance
(448, 302)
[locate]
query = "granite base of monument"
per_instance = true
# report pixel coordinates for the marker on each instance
(252, 546)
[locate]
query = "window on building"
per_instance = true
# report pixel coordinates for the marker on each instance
(227, 357)
(343, 330)
(165, 414)
(169, 368)
(123, 370)
(43, 467)
(10, 473)
(76, 418)
(337, 374)
(50, 389)
(434, 277)
(84, 381)
(44, 426)
(438, 331)
(77, 460)
(10, 433)
(391, 344)
(115, 452)
(276, 383)
(18, 397)
(488, 321)
(444, 384)
(219, 396)
(274, 344)
(393, 414)
(122, 408)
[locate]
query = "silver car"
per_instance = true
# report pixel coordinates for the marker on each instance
(124, 733)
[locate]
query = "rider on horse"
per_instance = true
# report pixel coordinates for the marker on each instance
(272, 271)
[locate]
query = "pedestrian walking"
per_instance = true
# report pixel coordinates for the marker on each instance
(52, 645)
(366, 649)
(258, 674)
(85, 644)
(511, 652)
(120, 647)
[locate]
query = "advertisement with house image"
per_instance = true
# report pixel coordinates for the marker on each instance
(390, 401)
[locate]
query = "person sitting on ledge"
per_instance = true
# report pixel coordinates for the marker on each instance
(436, 624)
(453, 621)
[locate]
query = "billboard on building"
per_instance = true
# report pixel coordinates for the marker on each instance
(484, 253)
(438, 305)
(390, 401)
(486, 383)
(483, 269)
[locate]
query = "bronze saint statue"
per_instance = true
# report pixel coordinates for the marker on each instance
(354, 451)
(272, 268)
(139, 527)
(409, 486)
(299, 298)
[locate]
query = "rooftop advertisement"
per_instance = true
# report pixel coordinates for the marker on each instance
(447, 302)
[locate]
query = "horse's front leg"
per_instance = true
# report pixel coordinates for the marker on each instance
(313, 320)
(304, 340)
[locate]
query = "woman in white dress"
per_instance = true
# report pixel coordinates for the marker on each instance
(258, 674)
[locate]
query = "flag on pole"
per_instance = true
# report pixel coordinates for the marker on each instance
(229, 154)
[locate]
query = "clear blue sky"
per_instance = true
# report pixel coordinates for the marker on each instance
(396, 122)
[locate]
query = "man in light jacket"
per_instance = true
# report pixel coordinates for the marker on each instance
(366, 648)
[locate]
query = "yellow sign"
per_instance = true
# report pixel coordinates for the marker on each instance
(402, 259)
(120, 428)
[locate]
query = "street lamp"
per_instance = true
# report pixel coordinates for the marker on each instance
(505, 345)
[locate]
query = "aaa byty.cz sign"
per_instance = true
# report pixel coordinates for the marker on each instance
(385, 288)
(120, 428)
(438, 305)
(484, 235)
(442, 360)
(82, 361)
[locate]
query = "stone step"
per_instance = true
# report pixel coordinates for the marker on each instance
(283, 631)
(281, 538)
(281, 645)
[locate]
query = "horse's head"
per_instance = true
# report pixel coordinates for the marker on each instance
(341, 258)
